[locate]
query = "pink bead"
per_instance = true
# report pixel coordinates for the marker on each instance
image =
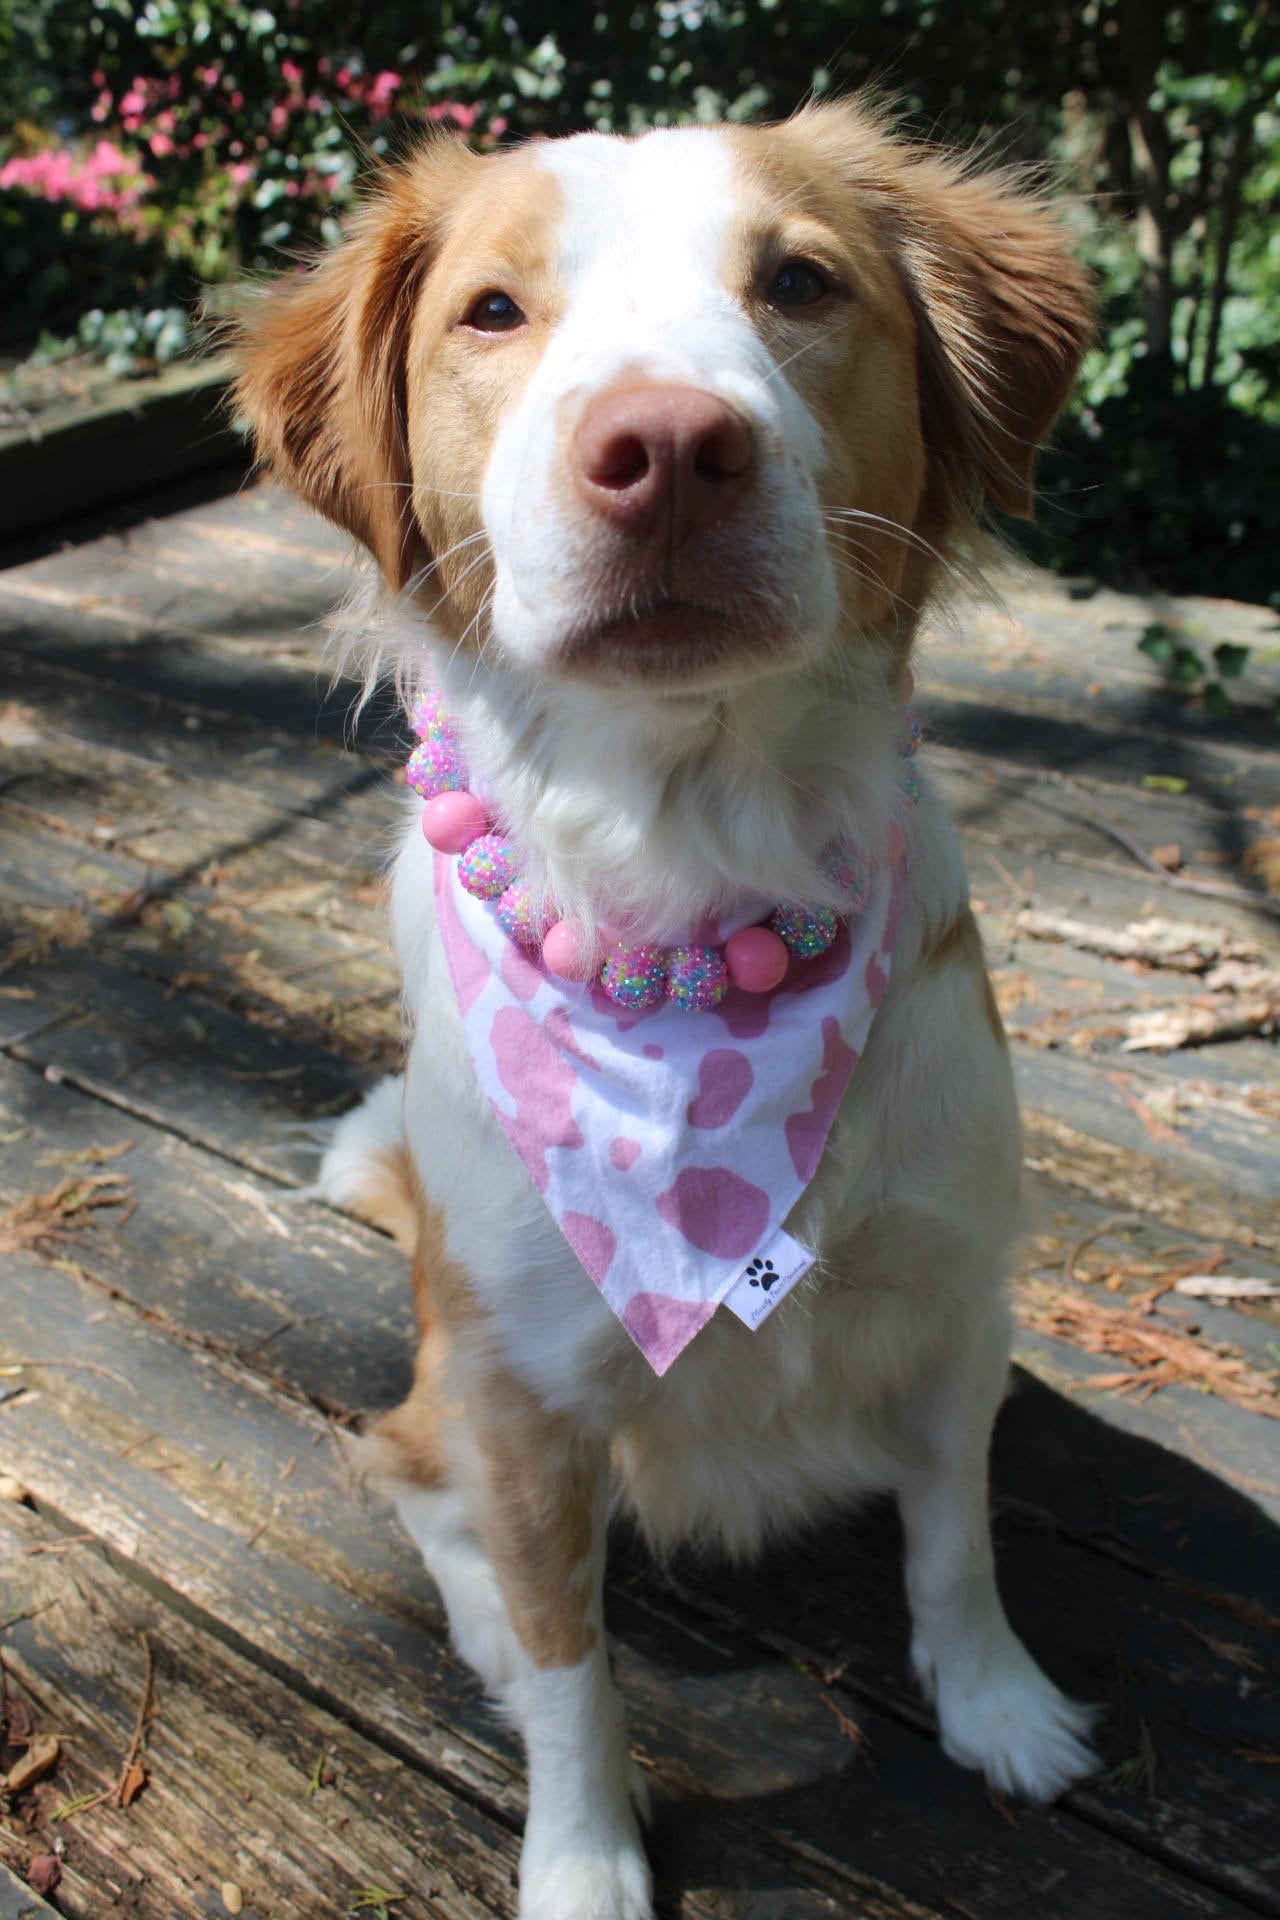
(757, 959)
(567, 953)
(451, 821)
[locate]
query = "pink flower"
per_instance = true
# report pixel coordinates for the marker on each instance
(278, 118)
(383, 89)
(455, 111)
(292, 72)
(498, 125)
(242, 172)
(135, 101)
(161, 145)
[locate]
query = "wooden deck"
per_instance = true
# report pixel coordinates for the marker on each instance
(202, 1607)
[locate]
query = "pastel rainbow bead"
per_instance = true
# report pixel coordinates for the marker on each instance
(805, 931)
(697, 978)
(569, 952)
(635, 977)
(435, 766)
(849, 876)
(515, 915)
(452, 820)
(756, 959)
(428, 718)
(488, 867)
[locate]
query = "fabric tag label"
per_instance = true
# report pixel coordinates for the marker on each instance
(768, 1278)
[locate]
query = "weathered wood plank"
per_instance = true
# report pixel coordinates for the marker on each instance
(60, 711)
(329, 1606)
(181, 1515)
(132, 437)
(225, 1259)
(231, 1759)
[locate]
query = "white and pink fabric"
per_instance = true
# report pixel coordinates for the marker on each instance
(669, 1147)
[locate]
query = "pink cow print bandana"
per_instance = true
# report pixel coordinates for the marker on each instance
(669, 1146)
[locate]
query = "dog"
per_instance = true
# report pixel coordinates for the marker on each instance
(661, 447)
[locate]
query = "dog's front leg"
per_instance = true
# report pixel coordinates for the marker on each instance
(541, 1489)
(996, 1710)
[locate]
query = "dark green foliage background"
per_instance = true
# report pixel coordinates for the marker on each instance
(1163, 119)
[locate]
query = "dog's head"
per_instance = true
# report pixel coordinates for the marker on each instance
(677, 410)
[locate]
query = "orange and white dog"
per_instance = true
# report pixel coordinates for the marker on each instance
(661, 447)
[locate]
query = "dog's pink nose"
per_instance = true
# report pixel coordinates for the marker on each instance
(645, 457)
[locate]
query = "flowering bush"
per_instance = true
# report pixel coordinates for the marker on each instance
(208, 136)
(103, 180)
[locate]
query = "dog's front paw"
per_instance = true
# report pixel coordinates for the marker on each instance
(607, 1886)
(1002, 1716)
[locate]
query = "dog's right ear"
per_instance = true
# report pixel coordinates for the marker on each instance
(321, 375)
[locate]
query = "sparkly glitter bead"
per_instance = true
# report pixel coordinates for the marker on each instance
(435, 766)
(914, 734)
(635, 977)
(849, 875)
(911, 781)
(806, 931)
(488, 866)
(516, 917)
(697, 978)
(428, 718)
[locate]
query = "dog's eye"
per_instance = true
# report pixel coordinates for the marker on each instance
(797, 283)
(494, 313)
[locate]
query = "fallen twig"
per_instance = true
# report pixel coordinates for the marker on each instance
(1096, 1233)
(1198, 1022)
(132, 1776)
(1176, 944)
(1225, 1286)
(853, 1734)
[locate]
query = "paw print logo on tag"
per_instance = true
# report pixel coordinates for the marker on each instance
(762, 1273)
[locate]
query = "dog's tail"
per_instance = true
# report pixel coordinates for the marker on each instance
(366, 1168)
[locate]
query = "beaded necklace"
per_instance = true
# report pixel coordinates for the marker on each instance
(692, 975)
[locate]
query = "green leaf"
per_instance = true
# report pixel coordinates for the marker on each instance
(1186, 666)
(1156, 644)
(1217, 700)
(1231, 660)
(1164, 783)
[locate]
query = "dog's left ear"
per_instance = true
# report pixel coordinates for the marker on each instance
(1003, 310)
(1004, 313)
(322, 360)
